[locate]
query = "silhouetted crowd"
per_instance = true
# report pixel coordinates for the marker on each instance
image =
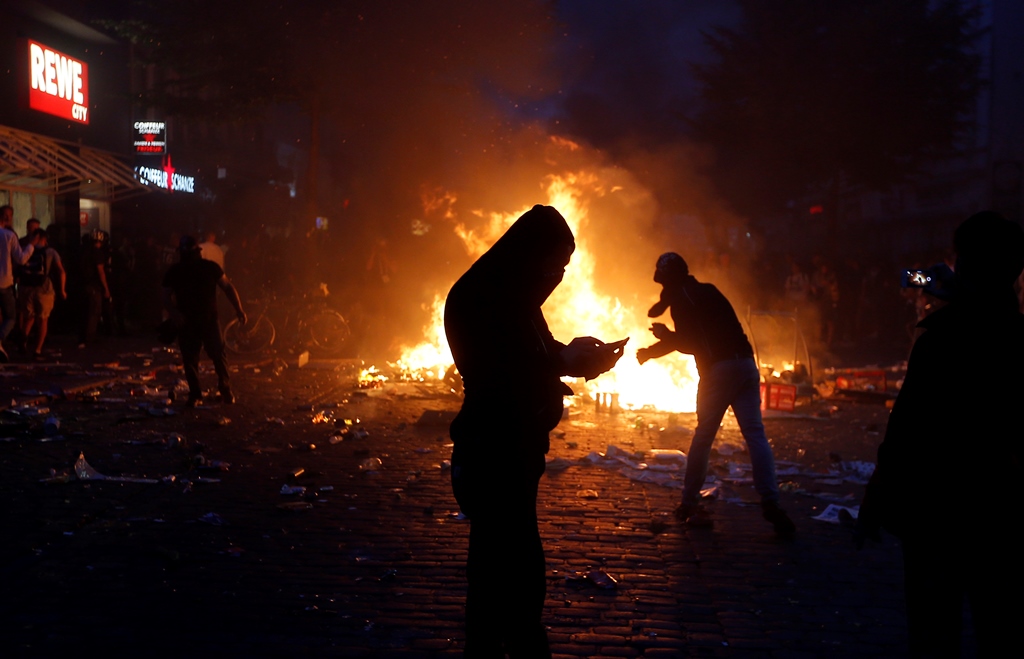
(97, 290)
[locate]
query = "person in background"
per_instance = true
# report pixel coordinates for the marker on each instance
(95, 288)
(190, 298)
(511, 367)
(211, 251)
(31, 224)
(37, 294)
(123, 281)
(11, 254)
(707, 328)
(957, 414)
(798, 286)
(825, 285)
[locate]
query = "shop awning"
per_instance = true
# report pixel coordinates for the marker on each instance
(29, 160)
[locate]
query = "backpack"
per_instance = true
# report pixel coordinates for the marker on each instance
(37, 271)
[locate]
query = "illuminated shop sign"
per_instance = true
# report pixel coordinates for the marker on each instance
(58, 84)
(166, 177)
(150, 137)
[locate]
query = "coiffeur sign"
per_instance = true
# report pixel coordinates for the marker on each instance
(166, 177)
(150, 137)
(58, 84)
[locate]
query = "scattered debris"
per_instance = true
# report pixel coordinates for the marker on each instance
(555, 464)
(51, 426)
(666, 456)
(85, 472)
(436, 418)
(213, 518)
(295, 505)
(859, 471)
(371, 465)
(832, 513)
(598, 578)
(710, 492)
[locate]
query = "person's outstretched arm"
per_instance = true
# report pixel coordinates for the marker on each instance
(232, 293)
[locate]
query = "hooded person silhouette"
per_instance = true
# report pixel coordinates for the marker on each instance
(511, 367)
(957, 418)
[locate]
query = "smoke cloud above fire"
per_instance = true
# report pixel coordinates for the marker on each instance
(426, 115)
(460, 111)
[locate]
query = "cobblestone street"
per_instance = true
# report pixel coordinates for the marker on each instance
(211, 564)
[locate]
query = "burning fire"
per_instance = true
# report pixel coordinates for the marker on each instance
(575, 309)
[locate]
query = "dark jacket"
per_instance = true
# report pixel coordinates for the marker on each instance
(508, 359)
(951, 457)
(705, 324)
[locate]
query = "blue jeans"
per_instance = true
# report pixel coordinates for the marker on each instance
(734, 382)
(9, 311)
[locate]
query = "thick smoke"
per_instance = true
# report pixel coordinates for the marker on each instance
(423, 113)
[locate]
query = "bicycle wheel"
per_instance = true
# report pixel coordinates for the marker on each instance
(257, 335)
(328, 331)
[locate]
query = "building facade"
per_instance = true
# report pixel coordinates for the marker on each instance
(65, 118)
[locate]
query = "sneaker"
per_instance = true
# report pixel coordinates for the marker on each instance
(226, 396)
(193, 401)
(694, 515)
(784, 526)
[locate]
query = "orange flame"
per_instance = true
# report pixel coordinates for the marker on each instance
(576, 309)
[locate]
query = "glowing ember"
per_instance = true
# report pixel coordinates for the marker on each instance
(576, 309)
(371, 378)
(787, 367)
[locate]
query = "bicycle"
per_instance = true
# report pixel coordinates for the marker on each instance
(309, 319)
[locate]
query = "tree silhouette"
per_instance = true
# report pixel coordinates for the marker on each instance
(808, 96)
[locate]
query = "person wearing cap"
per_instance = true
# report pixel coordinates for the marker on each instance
(511, 367)
(706, 327)
(190, 298)
(957, 419)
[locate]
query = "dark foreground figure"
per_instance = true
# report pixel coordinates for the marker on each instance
(707, 328)
(510, 365)
(956, 418)
(190, 295)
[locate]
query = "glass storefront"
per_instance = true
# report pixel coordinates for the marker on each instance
(28, 205)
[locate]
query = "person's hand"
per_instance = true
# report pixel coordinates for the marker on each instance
(576, 355)
(642, 355)
(588, 357)
(607, 355)
(242, 318)
(34, 240)
(660, 331)
(63, 294)
(657, 309)
(106, 294)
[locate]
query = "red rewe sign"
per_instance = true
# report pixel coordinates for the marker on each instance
(57, 84)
